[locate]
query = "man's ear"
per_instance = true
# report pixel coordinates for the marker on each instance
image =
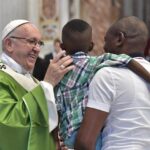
(120, 39)
(8, 44)
(91, 47)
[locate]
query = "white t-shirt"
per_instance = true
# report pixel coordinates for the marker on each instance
(126, 97)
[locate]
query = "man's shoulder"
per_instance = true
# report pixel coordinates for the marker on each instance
(49, 56)
(7, 81)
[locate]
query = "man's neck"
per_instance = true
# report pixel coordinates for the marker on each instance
(12, 64)
(138, 54)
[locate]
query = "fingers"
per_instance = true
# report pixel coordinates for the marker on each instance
(59, 55)
(67, 69)
(58, 67)
(66, 61)
(66, 64)
(57, 70)
(62, 60)
(63, 63)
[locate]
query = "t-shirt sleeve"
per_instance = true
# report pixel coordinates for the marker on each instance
(101, 91)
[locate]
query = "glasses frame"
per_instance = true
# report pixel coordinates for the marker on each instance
(31, 41)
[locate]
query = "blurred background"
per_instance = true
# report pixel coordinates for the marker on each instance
(51, 15)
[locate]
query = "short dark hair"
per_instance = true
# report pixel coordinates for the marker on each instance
(76, 36)
(134, 29)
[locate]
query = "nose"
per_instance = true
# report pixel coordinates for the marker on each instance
(37, 47)
(37, 44)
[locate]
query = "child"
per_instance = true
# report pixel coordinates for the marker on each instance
(72, 92)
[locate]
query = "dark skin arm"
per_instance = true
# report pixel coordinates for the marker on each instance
(90, 128)
(59, 142)
(139, 70)
(56, 138)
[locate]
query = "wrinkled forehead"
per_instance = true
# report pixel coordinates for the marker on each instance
(27, 29)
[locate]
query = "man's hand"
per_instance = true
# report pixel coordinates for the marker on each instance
(58, 67)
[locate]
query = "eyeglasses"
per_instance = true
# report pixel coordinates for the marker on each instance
(32, 42)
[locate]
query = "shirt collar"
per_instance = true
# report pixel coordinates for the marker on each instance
(13, 64)
(79, 55)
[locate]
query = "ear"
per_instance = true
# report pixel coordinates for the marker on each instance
(91, 46)
(8, 44)
(120, 39)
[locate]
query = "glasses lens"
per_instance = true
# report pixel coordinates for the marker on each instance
(41, 43)
(35, 42)
(32, 42)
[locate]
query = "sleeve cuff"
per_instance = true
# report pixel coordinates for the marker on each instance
(99, 106)
(52, 110)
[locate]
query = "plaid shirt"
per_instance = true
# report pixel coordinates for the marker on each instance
(72, 92)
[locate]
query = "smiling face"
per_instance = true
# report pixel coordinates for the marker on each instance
(24, 50)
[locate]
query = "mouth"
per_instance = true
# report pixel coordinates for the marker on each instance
(32, 57)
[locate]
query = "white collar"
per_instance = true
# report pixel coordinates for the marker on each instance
(13, 64)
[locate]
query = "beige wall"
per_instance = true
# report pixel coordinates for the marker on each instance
(100, 14)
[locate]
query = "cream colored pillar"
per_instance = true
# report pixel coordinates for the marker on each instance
(64, 12)
(34, 11)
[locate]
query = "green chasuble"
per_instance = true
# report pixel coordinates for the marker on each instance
(23, 117)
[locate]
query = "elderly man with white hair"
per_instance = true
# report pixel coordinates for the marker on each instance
(28, 111)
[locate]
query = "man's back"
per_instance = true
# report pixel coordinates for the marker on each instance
(128, 102)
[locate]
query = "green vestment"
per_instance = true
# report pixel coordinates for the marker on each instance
(23, 117)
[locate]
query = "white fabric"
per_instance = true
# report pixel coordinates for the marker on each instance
(12, 25)
(12, 64)
(27, 82)
(52, 110)
(24, 81)
(127, 99)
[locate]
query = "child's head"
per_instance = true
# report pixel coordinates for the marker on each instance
(77, 36)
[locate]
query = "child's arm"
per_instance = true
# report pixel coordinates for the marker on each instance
(59, 142)
(139, 69)
(56, 138)
(122, 60)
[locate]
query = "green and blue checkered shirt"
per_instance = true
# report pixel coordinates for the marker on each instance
(72, 92)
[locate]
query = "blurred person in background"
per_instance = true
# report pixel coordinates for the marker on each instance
(56, 49)
(40, 68)
(41, 64)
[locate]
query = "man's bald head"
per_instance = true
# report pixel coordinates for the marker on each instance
(131, 35)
